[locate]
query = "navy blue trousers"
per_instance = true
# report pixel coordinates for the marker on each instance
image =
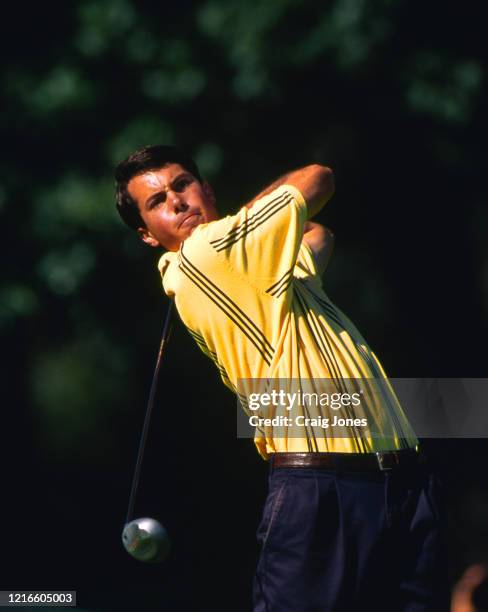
(344, 542)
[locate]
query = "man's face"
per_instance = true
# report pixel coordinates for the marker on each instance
(171, 203)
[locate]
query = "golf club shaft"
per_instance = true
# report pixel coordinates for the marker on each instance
(147, 419)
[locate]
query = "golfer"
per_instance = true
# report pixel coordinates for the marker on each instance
(353, 519)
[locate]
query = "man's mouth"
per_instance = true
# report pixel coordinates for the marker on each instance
(192, 219)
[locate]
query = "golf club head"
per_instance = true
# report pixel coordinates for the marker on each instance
(146, 540)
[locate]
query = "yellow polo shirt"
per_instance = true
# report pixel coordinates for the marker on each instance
(247, 289)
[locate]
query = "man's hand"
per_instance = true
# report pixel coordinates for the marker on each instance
(321, 242)
(315, 183)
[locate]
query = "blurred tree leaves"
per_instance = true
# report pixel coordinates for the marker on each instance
(75, 387)
(444, 87)
(102, 24)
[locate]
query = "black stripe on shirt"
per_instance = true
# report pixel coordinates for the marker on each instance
(330, 310)
(322, 340)
(250, 220)
(244, 403)
(282, 284)
(229, 307)
(319, 341)
(204, 346)
(200, 341)
(253, 222)
(327, 306)
(380, 378)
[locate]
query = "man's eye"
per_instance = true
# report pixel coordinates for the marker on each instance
(180, 185)
(157, 202)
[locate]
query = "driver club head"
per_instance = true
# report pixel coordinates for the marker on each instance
(146, 540)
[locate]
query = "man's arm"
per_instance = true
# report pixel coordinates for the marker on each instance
(321, 242)
(315, 183)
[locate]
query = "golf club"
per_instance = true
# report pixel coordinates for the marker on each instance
(145, 538)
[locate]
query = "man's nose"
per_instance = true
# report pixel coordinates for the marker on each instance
(176, 201)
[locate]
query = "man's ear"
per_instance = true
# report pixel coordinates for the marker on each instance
(209, 192)
(146, 236)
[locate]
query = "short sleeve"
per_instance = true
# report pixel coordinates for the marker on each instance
(166, 265)
(262, 242)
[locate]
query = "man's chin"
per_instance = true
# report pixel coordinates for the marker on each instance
(191, 227)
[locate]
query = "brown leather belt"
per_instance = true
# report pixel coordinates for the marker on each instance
(357, 462)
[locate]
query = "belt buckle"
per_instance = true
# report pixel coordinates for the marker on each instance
(380, 457)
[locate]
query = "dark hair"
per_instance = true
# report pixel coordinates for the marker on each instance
(151, 157)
